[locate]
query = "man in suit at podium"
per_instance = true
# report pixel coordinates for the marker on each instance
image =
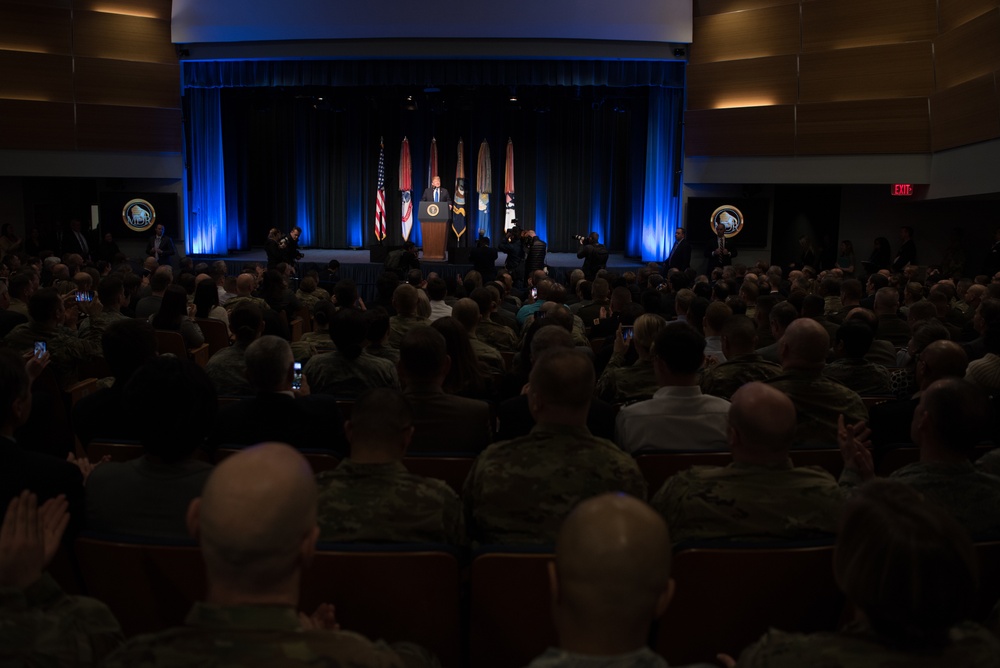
(435, 193)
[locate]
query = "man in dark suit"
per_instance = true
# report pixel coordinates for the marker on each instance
(160, 246)
(442, 422)
(907, 250)
(680, 254)
(75, 240)
(278, 412)
(435, 193)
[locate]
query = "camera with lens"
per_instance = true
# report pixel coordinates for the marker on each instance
(582, 239)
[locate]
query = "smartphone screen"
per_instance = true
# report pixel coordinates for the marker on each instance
(534, 293)
(85, 296)
(39, 348)
(297, 376)
(627, 333)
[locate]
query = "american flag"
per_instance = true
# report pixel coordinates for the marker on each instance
(380, 196)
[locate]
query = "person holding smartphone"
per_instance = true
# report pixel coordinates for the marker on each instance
(621, 381)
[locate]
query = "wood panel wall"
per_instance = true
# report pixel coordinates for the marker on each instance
(88, 75)
(855, 77)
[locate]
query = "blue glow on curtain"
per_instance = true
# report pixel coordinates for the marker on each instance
(205, 222)
(661, 199)
(542, 183)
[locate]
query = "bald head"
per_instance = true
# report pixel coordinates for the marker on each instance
(612, 570)
(941, 359)
(255, 519)
(762, 424)
(466, 312)
(804, 346)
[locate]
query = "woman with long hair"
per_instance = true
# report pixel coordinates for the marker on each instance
(175, 315)
(206, 302)
(468, 377)
(272, 246)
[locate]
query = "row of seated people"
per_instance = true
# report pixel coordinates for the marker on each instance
(907, 569)
(519, 489)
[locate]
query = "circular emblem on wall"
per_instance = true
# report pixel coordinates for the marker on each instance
(138, 215)
(730, 218)
(433, 209)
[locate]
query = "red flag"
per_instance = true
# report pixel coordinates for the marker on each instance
(432, 164)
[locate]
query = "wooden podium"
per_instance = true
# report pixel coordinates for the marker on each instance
(434, 228)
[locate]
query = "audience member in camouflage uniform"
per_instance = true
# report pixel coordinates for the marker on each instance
(39, 624)
(952, 416)
(52, 323)
(910, 571)
(404, 300)
(466, 312)
(761, 494)
(819, 401)
(620, 383)
(853, 340)
(371, 497)
(378, 334)
(495, 334)
(306, 294)
(319, 338)
(111, 293)
(245, 285)
(520, 490)
(227, 368)
(349, 370)
(255, 540)
(742, 365)
(611, 572)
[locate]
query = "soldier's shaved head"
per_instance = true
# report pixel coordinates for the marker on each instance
(611, 576)
(562, 378)
(256, 522)
(762, 423)
(804, 346)
(941, 359)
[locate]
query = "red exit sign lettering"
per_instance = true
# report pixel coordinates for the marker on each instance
(902, 189)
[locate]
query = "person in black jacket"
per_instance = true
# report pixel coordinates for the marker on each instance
(534, 252)
(514, 249)
(594, 255)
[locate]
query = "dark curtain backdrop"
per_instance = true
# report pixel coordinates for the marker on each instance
(307, 155)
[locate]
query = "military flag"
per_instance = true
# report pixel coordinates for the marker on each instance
(484, 186)
(458, 211)
(405, 186)
(508, 187)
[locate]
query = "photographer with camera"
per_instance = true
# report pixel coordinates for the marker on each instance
(593, 253)
(512, 246)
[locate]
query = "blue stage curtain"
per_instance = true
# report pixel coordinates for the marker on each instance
(295, 73)
(205, 222)
(588, 158)
(661, 205)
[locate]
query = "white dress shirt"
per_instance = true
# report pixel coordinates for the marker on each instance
(676, 418)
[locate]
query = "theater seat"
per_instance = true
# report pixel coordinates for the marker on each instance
(656, 467)
(173, 343)
(510, 614)
(394, 592)
(149, 586)
(453, 470)
(727, 598)
(216, 334)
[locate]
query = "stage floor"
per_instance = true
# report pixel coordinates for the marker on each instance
(563, 261)
(354, 265)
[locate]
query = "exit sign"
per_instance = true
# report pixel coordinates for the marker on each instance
(902, 189)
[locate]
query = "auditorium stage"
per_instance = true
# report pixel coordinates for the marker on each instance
(354, 264)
